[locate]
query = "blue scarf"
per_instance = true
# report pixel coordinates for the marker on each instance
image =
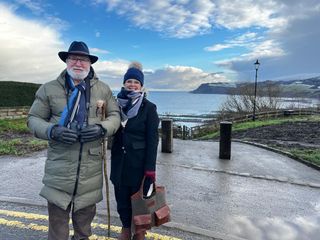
(75, 110)
(129, 102)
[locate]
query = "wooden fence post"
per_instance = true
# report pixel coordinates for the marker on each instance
(166, 135)
(225, 140)
(184, 132)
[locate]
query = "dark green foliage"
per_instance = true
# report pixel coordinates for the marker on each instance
(17, 93)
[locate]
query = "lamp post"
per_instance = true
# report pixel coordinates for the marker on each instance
(256, 65)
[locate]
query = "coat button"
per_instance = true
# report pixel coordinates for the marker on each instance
(122, 147)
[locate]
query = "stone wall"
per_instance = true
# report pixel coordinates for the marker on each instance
(14, 112)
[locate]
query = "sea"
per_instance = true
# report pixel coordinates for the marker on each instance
(184, 105)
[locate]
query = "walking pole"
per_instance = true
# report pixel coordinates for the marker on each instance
(101, 109)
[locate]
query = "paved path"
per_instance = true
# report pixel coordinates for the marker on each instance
(256, 195)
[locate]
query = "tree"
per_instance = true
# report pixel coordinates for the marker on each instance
(241, 100)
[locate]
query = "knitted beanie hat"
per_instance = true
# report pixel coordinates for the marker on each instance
(134, 72)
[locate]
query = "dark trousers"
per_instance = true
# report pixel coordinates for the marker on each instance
(123, 197)
(59, 222)
(123, 194)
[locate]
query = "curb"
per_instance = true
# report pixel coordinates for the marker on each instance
(171, 225)
(290, 155)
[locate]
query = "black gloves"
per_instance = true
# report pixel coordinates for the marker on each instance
(69, 136)
(63, 134)
(91, 133)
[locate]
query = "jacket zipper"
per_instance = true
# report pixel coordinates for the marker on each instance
(78, 174)
(81, 148)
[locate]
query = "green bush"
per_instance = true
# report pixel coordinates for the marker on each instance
(17, 93)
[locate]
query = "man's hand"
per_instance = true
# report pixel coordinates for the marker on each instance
(91, 133)
(63, 134)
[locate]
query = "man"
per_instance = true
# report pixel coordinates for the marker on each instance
(64, 113)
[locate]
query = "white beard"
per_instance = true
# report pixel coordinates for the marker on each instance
(78, 76)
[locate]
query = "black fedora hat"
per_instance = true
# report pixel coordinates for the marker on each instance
(78, 48)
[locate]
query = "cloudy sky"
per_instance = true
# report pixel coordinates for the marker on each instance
(181, 43)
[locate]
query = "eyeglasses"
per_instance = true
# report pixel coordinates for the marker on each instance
(82, 60)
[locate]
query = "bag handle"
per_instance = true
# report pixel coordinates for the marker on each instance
(141, 187)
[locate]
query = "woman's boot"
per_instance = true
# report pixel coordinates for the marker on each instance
(125, 234)
(139, 236)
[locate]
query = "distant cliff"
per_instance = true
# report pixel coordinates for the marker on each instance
(290, 88)
(215, 88)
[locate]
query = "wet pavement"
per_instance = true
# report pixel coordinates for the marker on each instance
(257, 194)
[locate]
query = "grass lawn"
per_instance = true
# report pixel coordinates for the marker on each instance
(16, 138)
(310, 154)
(14, 125)
(260, 123)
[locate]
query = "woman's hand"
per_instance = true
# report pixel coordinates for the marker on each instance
(151, 175)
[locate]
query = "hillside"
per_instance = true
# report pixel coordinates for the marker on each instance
(293, 88)
(17, 93)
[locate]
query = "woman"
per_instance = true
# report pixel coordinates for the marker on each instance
(134, 149)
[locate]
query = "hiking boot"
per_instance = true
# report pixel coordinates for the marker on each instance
(125, 234)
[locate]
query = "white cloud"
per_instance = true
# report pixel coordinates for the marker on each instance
(183, 19)
(181, 77)
(36, 6)
(32, 57)
(282, 33)
(29, 49)
(98, 51)
(235, 14)
(244, 40)
(180, 19)
(57, 23)
(167, 78)
(112, 72)
(218, 47)
(43, 10)
(273, 26)
(267, 49)
(292, 50)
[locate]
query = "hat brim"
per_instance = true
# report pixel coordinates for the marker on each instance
(63, 56)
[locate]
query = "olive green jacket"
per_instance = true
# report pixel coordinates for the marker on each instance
(63, 160)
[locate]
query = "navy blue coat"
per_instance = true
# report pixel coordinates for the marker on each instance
(134, 147)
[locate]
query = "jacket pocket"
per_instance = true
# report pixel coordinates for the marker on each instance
(138, 145)
(95, 151)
